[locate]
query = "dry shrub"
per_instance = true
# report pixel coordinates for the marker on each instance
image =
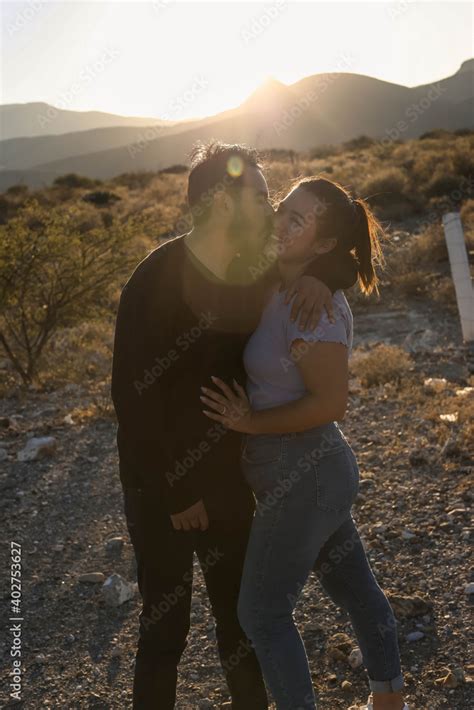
(385, 186)
(444, 292)
(384, 363)
(79, 354)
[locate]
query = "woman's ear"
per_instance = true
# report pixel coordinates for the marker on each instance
(324, 246)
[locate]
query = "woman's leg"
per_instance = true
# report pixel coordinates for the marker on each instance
(287, 534)
(345, 574)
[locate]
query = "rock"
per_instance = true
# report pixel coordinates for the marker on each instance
(68, 419)
(116, 652)
(465, 391)
(456, 512)
(405, 606)
(453, 417)
(114, 544)
(435, 384)
(469, 588)
(453, 679)
(414, 636)
(355, 658)
(339, 646)
(408, 535)
(38, 448)
(116, 590)
(3, 454)
(92, 577)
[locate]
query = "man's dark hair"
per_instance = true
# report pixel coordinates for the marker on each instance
(216, 166)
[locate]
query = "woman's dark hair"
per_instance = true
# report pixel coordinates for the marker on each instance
(352, 223)
(216, 166)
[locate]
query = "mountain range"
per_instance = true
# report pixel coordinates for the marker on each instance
(41, 142)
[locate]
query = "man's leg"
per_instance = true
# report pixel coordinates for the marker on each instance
(164, 569)
(221, 551)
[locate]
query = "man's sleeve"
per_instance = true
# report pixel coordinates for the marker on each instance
(141, 392)
(336, 270)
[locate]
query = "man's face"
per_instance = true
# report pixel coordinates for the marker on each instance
(252, 222)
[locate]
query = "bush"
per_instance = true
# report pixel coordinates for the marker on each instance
(360, 143)
(101, 198)
(385, 363)
(18, 190)
(385, 186)
(134, 181)
(52, 276)
(73, 180)
(323, 151)
(174, 170)
(435, 133)
(444, 186)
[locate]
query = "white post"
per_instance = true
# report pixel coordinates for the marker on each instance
(458, 259)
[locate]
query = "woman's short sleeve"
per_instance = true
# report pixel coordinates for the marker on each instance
(325, 331)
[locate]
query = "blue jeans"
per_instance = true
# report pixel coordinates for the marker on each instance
(305, 484)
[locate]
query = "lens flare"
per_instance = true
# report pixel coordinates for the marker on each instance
(235, 166)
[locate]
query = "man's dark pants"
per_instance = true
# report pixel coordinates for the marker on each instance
(164, 559)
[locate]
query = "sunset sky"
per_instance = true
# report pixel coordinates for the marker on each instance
(179, 60)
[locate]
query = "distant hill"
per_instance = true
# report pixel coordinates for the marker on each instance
(42, 119)
(324, 108)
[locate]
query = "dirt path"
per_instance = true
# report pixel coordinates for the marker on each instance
(78, 652)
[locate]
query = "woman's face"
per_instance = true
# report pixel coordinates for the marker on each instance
(295, 227)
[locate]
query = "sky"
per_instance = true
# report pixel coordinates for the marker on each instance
(178, 60)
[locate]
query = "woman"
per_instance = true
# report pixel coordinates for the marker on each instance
(302, 470)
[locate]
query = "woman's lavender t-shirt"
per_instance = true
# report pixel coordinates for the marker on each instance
(273, 377)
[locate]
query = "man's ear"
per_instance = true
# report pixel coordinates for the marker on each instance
(223, 202)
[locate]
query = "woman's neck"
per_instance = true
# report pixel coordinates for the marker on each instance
(290, 271)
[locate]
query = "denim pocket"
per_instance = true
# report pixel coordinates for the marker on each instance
(337, 479)
(261, 449)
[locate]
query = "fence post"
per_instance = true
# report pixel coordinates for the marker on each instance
(460, 271)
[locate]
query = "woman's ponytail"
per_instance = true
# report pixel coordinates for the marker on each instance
(353, 224)
(368, 251)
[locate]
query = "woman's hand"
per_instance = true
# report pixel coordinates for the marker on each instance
(231, 409)
(312, 296)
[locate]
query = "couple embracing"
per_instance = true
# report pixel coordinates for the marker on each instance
(230, 373)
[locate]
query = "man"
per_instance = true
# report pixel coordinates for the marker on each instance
(184, 316)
